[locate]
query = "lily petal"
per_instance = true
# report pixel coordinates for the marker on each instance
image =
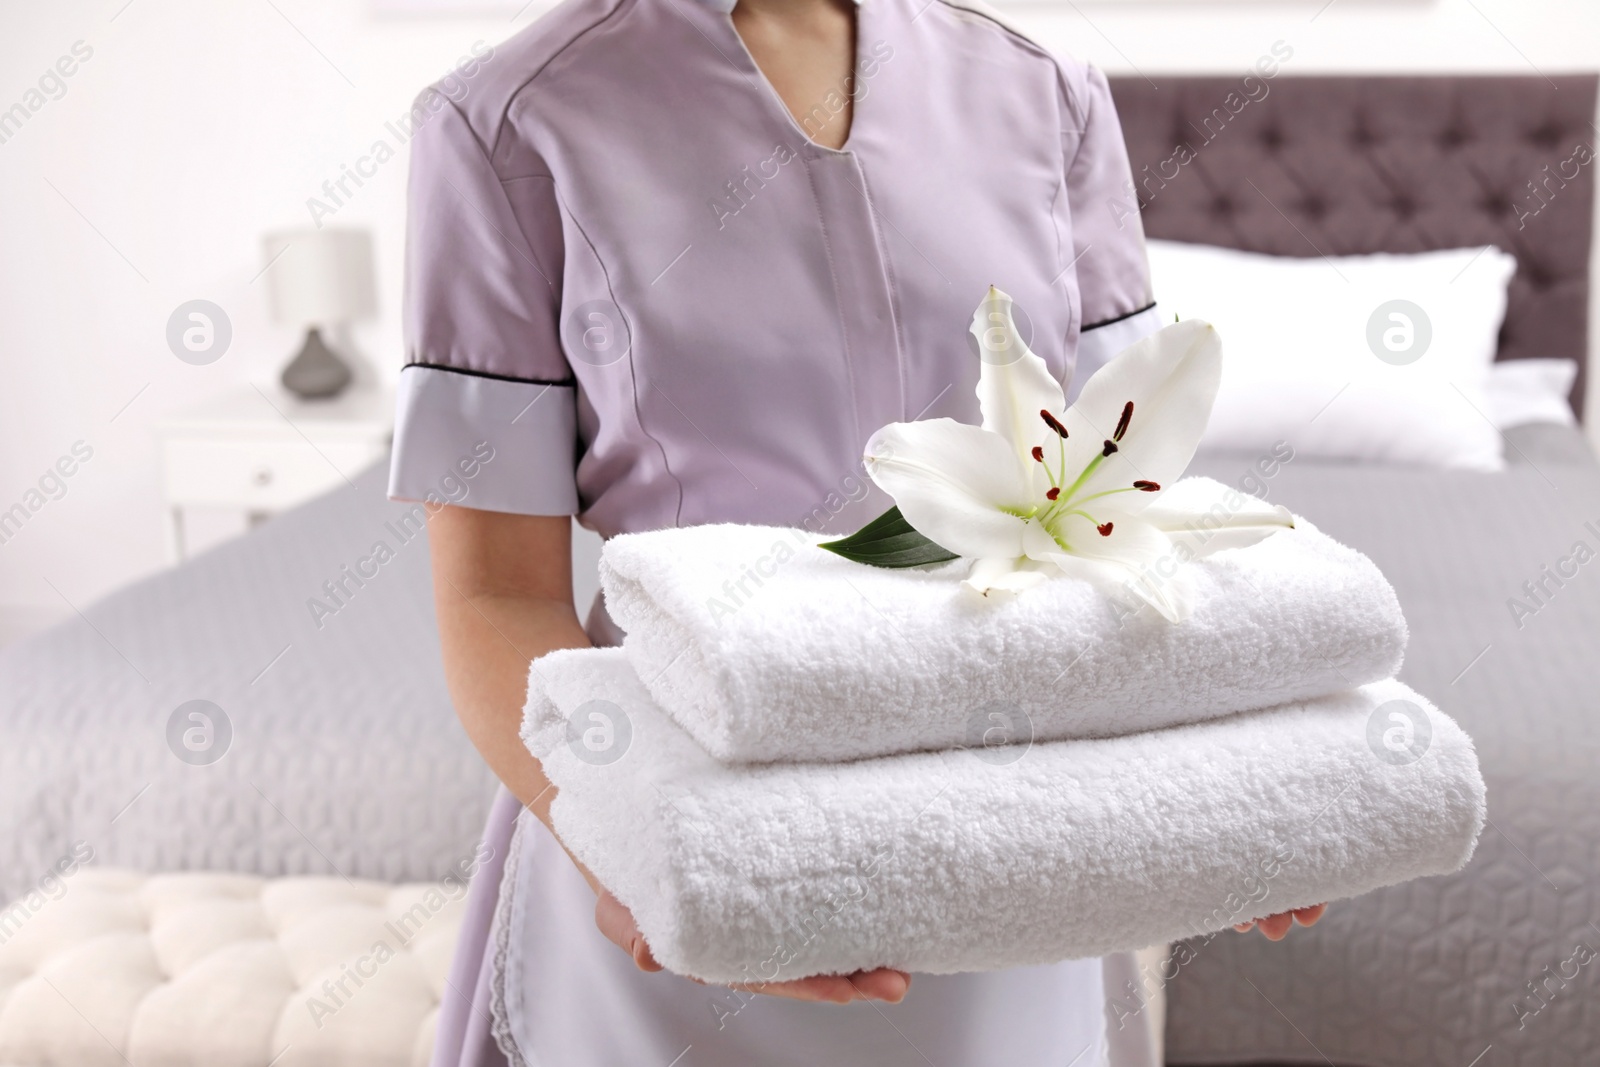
(1171, 378)
(956, 484)
(1132, 539)
(1006, 575)
(1172, 596)
(1014, 384)
(1141, 578)
(1206, 516)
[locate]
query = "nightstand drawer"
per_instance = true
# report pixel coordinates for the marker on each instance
(259, 476)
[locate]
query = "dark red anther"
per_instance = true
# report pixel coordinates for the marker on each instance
(1111, 446)
(1053, 492)
(1038, 453)
(1147, 487)
(1122, 423)
(1052, 422)
(1105, 530)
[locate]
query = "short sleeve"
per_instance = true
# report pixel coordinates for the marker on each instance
(486, 386)
(1108, 237)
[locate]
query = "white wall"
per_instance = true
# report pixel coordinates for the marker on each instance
(197, 124)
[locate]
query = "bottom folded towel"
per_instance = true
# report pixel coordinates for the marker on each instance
(979, 859)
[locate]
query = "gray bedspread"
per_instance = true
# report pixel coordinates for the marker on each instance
(1501, 957)
(345, 755)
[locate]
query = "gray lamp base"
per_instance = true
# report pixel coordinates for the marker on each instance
(316, 373)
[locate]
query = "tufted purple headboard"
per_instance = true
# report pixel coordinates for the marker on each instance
(1302, 166)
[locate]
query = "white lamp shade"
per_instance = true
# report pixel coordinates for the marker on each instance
(320, 277)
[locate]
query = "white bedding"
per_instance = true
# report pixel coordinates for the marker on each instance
(1523, 392)
(1376, 358)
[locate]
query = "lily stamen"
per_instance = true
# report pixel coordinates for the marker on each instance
(1122, 423)
(1038, 454)
(1105, 529)
(1061, 461)
(1135, 488)
(1087, 471)
(1052, 422)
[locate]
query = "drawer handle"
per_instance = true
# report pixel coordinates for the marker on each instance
(264, 476)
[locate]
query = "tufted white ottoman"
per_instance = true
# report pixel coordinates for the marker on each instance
(218, 970)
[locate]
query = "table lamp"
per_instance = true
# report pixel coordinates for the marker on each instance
(319, 279)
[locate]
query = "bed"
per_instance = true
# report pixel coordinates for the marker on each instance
(163, 910)
(345, 758)
(1493, 966)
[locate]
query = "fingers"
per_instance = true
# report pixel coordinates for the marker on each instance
(824, 988)
(616, 922)
(882, 984)
(1276, 927)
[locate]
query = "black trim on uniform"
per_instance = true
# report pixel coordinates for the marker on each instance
(566, 384)
(1119, 318)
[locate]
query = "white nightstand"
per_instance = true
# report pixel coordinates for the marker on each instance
(260, 451)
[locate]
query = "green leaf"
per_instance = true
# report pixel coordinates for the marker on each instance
(889, 541)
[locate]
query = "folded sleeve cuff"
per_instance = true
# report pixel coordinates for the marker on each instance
(486, 442)
(1100, 341)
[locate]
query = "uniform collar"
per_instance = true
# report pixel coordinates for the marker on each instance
(726, 6)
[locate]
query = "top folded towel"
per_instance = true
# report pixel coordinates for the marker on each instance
(764, 647)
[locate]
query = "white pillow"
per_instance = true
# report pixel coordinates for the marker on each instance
(1380, 358)
(1532, 390)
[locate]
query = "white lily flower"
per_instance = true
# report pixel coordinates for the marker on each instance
(1041, 490)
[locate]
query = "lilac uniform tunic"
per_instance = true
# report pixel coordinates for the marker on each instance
(637, 284)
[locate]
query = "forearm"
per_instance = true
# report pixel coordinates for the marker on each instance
(488, 641)
(503, 597)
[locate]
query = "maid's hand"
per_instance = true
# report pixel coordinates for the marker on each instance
(1276, 927)
(616, 922)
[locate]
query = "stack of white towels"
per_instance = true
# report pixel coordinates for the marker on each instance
(800, 765)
